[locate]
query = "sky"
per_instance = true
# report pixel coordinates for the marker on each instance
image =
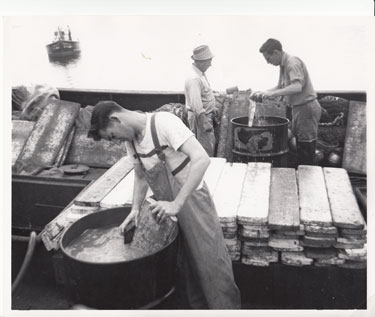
(153, 52)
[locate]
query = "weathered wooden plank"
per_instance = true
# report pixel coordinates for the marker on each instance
(253, 233)
(213, 172)
(353, 254)
(253, 239)
(339, 245)
(233, 247)
(20, 132)
(60, 159)
(87, 151)
(285, 244)
(104, 184)
(295, 258)
(228, 190)
(259, 262)
(255, 242)
(254, 204)
(354, 158)
(317, 242)
(313, 200)
(284, 206)
(48, 135)
(320, 253)
(284, 236)
(223, 131)
(238, 108)
(333, 261)
(261, 253)
(321, 235)
(323, 230)
(344, 207)
(261, 227)
(351, 240)
(344, 231)
(122, 193)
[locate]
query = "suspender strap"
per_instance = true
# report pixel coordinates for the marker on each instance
(151, 153)
(181, 166)
(155, 139)
(158, 150)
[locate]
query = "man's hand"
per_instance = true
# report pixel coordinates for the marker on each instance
(257, 96)
(163, 209)
(132, 217)
(268, 94)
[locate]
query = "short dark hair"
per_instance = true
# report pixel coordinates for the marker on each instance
(270, 46)
(100, 117)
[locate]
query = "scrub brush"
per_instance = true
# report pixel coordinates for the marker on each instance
(129, 233)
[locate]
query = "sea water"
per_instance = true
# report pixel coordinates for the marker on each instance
(102, 245)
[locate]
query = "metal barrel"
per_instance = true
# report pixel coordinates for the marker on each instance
(117, 285)
(265, 141)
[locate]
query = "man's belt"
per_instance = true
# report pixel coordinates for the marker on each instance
(301, 104)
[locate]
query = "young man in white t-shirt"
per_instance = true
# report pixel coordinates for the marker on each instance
(207, 267)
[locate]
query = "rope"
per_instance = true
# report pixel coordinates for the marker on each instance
(339, 121)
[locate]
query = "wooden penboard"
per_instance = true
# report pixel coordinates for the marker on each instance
(283, 203)
(87, 151)
(354, 159)
(20, 133)
(48, 135)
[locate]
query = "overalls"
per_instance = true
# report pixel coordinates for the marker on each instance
(206, 265)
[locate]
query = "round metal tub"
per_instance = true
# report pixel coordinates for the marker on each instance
(140, 283)
(265, 141)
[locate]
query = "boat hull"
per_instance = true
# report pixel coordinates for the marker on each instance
(63, 48)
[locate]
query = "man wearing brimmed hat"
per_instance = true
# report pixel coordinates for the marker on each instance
(200, 100)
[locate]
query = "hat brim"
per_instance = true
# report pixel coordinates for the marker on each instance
(198, 59)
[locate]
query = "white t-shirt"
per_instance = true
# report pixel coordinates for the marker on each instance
(172, 132)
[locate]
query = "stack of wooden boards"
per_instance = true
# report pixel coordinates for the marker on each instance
(53, 140)
(298, 217)
(304, 217)
(226, 196)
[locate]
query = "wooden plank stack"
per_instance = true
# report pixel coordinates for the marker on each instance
(213, 172)
(227, 198)
(320, 234)
(253, 216)
(284, 218)
(347, 217)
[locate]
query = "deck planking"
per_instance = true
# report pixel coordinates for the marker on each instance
(344, 207)
(313, 199)
(254, 203)
(104, 184)
(284, 207)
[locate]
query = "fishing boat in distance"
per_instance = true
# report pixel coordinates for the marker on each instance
(63, 45)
